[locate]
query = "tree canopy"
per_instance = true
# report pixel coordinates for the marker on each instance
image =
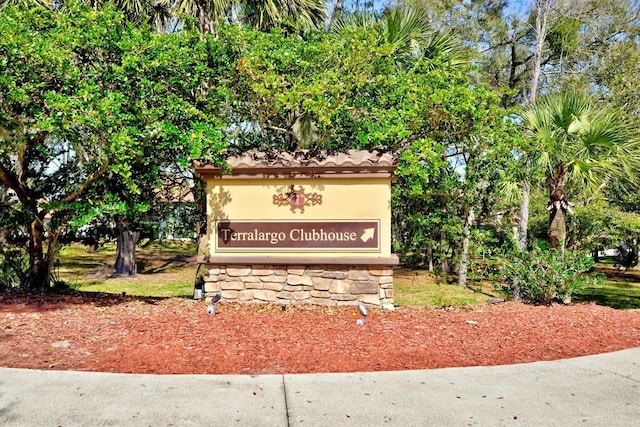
(85, 95)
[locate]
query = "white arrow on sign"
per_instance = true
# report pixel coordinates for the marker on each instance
(368, 234)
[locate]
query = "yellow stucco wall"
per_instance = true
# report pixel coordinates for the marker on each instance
(350, 199)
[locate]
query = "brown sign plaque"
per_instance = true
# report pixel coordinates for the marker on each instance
(297, 235)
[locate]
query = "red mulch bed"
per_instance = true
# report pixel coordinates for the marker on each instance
(177, 336)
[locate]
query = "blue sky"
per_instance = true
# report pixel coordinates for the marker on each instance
(520, 7)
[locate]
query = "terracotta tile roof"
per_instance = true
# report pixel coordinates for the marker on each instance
(305, 158)
(351, 163)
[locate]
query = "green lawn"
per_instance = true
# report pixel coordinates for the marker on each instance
(164, 270)
(423, 288)
(620, 290)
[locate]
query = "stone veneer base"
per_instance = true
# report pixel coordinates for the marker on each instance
(328, 285)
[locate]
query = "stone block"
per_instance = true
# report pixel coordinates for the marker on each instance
(316, 271)
(262, 295)
(297, 271)
(335, 274)
(271, 286)
(236, 286)
(300, 295)
(320, 294)
(254, 285)
(294, 279)
(213, 271)
(364, 287)
(212, 278)
(229, 295)
(370, 299)
(262, 270)
(380, 271)
(274, 278)
(211, 287)
(280, 271)
(359, 275)
(343, 297)
(238, 271)
(321, 283)
(339, 286)
(385, 280)
(250, 279)
(388, 306)
(245, 296)
(287, 295)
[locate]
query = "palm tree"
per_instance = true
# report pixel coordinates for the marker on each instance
(579, 145)
(154, 12)
(274, 13)
(205, 11)
(409, 34)
(262, 14)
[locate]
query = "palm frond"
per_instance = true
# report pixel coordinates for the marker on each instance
(403, 25)
(265, 14)
(347, 23)
(446, 46)
(594, 142)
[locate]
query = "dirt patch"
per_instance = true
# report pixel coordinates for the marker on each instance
(97, 332)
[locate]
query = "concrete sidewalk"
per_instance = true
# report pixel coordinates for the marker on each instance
(602, 390)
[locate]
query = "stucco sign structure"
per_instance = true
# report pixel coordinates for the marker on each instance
(293, 228)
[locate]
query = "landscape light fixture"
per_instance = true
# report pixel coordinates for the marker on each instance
(363, 310)
(211, 309)
(198, 291)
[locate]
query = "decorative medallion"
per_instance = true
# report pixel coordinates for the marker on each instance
(297, 199)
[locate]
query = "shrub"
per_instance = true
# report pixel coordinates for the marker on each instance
(543, 277)
(13, 261)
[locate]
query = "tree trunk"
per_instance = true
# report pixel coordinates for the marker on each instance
(126, 250)
(557, 207)
(542, 12)
(516, 292)
(430, 257)
(523, 224)
(38, 275)
(444, 262)
(557, 228)
(464, 256)
(199, 192)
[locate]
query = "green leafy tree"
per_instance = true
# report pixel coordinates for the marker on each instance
(599, 224)
(550, 44)
(86, 95)
(437, 113)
